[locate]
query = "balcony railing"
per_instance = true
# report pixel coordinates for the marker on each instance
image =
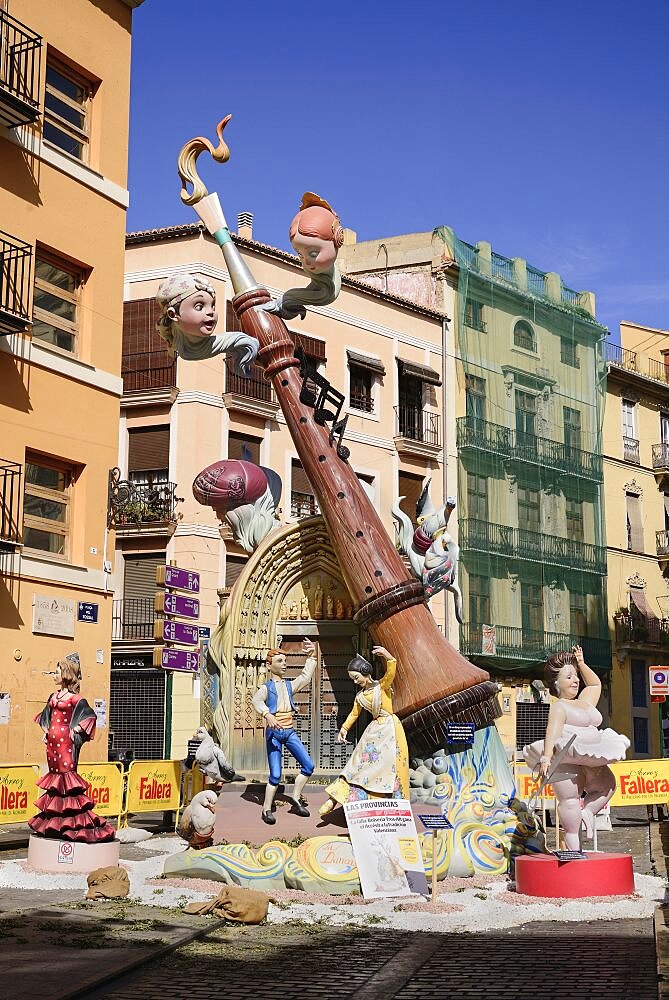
(662, 543)
(481, 435)
(501, 269)
(633, 361)
(138, 505)
(148, 370)
(10, 492)
(362, 401)
(255, 387)
(20, 61)
(15, 279)
(417, 425)
(525, 646)
(532, 546)
(631, 450)
(303, 504)
(133, 618)
(638, 630)
(661, 456)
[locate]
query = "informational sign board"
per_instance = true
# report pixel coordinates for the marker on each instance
(104, 784)
(174, 578)
(435, 821)
(181, 632)
(569, 855)
(100, 709)
(460, 732)
(658, 679)
(53, 616)
(153, 786)
(87, 612)
(18, 791)
(174, 604)
(386, 848)
(176, 659)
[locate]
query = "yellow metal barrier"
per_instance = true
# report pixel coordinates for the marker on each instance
(104, 782)
(152, 786)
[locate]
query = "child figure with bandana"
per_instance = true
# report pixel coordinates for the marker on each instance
(188, 319)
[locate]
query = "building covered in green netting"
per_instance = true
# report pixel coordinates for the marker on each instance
(530, 380)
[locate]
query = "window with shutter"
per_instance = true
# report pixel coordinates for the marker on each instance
(149, 454)
(244, 447)
(234, 566)
(410, 487)
(302, 500)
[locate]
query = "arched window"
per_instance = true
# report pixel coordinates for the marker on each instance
(524, 336)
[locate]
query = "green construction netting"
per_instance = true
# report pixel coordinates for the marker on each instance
(530, 477)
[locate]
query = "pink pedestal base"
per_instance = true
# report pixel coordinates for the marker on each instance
(48, 855)
(599, 875)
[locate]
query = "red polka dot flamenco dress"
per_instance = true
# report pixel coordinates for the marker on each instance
(66, 811)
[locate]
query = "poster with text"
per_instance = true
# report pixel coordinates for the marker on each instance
(386, 848)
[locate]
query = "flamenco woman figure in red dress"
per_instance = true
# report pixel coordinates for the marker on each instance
(68, 722)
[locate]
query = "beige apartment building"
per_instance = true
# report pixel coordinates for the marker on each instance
(636, 480)
(64, 97)
(529, 400)
(383, 352)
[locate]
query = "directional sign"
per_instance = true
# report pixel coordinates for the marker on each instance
(176, 659)
(659, 680)
(178, 579)
(171, 631)
(173, 604)
(434, 821)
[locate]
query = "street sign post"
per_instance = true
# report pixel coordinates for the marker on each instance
(181, 632)
(185, 660)
(166, 603)
(659, 681)
(174, 578)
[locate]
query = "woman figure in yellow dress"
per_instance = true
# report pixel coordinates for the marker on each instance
(379, 765)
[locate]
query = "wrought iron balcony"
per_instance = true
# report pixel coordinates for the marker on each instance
(140, 506)
(415, 424)
(531, 546)
(474, 434)
(148, 370)
(132, 619)
(15, 280)
(522, 646)
(633, 361)
(637, 630)
(662, 544)
(660, 456)
(303, 504)
(10, 492)
(20, 61)
(631, 450)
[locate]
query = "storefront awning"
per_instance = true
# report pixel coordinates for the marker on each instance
(422, 372)
(364, 361)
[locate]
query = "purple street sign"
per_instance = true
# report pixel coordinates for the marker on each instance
(181, 579)
(180, 632)
(187, 607)
(178, 659)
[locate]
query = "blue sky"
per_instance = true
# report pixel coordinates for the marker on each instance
(540, 128)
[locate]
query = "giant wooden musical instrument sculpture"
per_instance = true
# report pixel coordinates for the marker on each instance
(434, 684)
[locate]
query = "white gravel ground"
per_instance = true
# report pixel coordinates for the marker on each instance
(471, 907)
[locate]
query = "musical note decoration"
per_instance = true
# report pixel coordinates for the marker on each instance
(319, 394)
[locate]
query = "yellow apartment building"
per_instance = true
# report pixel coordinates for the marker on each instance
(381, 351)
(64, 99)
(636, 480)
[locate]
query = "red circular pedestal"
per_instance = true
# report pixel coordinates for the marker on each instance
(597, 875)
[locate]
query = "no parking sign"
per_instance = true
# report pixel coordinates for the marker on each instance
(659, 681)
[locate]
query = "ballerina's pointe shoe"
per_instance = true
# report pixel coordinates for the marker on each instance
(326, 808)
